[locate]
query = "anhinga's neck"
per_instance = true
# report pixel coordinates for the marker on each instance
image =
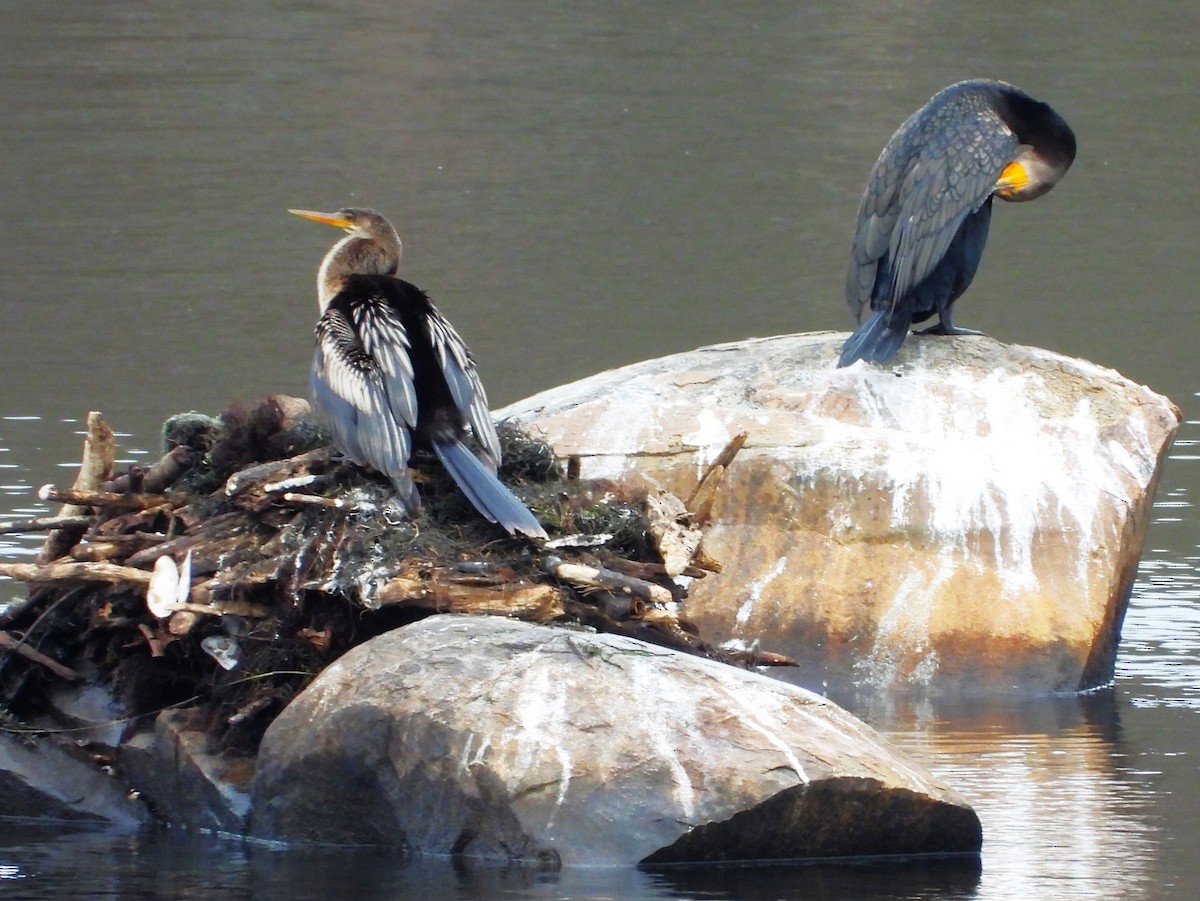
(378, 255)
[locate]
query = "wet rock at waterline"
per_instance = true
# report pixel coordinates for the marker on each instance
(45, 778)
(490, 738)
(969, 517)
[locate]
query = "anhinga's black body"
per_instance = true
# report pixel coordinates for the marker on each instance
(924, 217)
(391, 374)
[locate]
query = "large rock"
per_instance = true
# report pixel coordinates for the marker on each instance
(969, 517)
(484, 737)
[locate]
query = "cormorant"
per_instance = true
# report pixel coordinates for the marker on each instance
(924, 217)
(390, 373)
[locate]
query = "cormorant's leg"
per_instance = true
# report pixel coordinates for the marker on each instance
(946, 327)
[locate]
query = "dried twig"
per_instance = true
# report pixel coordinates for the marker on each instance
(19, 647)
(598, 577)
(332, 503)
(273, 471)
(643, 569)
(700, 501)
(530, 601)
(75, 572)
(94, 469)
(109, 499)
(46, 523)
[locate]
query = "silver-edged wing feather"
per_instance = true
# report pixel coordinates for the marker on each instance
(367, 400)
(385, 341)
(463, 380)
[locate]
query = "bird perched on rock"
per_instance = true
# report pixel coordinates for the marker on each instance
(924, 217)
(391, 374)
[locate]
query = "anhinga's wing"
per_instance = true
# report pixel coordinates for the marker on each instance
(463, 380)
(362, 380)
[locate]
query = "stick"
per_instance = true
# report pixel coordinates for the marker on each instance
(700, 501)
(162, 475)
(19, 647)
(526, 601)
(113, 546)
(316, 500)
(46, 523)
(92, 498)
(597, 577)
(75, 572)
(644, 570)
(271, 471)
(95, 467)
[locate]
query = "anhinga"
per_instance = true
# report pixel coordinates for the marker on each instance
(924, 217)
(391, 374)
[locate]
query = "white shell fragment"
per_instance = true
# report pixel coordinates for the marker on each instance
(222, 649)
(170, 586)
(163, 592)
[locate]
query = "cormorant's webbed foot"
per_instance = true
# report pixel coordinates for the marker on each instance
(945, 326)
(943, 329)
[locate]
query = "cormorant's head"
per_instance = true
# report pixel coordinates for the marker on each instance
(1047, 147)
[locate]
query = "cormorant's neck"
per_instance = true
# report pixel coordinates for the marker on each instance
(357, 256)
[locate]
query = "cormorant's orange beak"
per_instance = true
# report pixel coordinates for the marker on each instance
(1012, 179)
(328, 218)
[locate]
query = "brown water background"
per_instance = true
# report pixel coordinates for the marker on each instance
(582, 185)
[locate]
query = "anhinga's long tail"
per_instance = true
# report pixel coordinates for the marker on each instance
(485, 491)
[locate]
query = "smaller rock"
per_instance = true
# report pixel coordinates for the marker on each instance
(45, 778)
(184, 782)
(485, 737)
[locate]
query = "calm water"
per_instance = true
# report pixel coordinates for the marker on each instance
(582, 185)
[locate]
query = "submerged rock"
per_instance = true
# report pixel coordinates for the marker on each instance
(484, 737)
(968, 518)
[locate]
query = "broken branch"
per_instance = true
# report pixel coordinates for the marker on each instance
(18, 646)
(46, 523)
(700, 501)
(91, 498)
(599, 577)
(75, 572)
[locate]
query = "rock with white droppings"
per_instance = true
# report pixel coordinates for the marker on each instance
(967, 518)
(485, 737)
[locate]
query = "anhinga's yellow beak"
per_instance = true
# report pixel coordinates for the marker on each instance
(328, 218)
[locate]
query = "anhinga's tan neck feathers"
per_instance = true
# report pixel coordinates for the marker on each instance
(356, 256)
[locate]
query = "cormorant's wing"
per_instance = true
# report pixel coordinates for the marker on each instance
(936, 170)
(463, 381)
(877, 216)
(953, 173)
(368, 399)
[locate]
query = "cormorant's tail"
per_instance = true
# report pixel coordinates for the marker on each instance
(486, 492)
(875, 340)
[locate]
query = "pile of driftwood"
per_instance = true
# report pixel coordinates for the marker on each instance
(228, 574)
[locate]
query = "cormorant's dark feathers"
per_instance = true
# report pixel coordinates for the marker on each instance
(924, 216)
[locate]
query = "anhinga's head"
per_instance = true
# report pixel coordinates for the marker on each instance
(372, 247)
